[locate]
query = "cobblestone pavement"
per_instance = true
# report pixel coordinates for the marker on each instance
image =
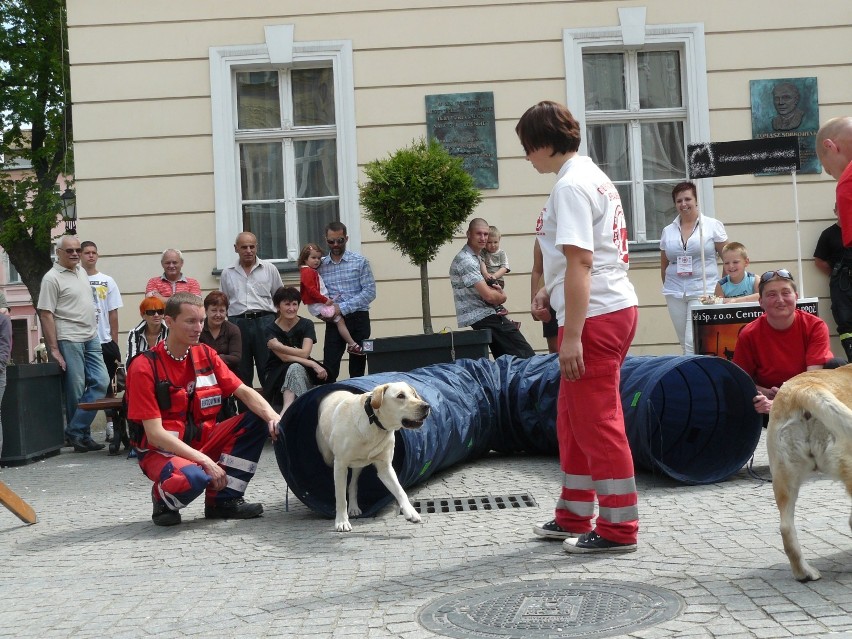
(96, 566)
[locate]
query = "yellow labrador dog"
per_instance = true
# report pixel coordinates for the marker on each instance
(810, 428)
(355, 431)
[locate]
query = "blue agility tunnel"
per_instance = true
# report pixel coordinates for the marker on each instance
(690, 418)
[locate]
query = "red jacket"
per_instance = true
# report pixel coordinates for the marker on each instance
(309, 285)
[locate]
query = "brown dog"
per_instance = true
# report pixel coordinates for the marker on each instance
(810, 428)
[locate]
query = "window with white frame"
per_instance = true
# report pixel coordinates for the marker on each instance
(12, 275)
(284, 158)
(639, 103)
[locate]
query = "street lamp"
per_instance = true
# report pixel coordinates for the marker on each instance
(69, 210)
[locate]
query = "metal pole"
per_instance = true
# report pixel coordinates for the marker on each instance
(798, 237)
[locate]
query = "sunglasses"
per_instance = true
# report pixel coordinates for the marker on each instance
(71, 251)
(338, 241)
(781, 272)
(155, 311)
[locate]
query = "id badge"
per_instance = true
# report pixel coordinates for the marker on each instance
(684, 265)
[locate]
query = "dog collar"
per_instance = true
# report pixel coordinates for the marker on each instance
(371, 415)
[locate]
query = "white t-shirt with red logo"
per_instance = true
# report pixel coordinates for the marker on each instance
(584, 210)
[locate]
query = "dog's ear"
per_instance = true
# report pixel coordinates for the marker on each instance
(377, 396)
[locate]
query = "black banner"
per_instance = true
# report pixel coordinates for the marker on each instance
(743, 157)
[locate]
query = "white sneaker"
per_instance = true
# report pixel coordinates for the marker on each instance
(110, 432)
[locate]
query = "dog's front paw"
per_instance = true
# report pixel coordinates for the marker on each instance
(342, 526)
(411, 515)
(806, 572)
(354, 511)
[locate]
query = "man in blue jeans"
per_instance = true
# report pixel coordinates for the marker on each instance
(68, 322)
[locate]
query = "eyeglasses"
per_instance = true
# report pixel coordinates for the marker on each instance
(71, 251)
(338, 241)
(781, 272)
(154, 311)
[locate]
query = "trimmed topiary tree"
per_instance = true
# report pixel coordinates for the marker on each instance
(418, 198)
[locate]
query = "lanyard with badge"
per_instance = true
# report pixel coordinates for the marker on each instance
(684, 262)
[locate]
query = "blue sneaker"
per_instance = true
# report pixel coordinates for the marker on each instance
(593, 542)
(552, 530)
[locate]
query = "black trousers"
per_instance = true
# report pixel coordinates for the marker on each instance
(840, 288)
(333, 348)
(255, 350)
(112, 358)
(506, 339)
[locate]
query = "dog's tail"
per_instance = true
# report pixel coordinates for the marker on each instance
(816, 401)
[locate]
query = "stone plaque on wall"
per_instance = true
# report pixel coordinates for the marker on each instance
(464, 124)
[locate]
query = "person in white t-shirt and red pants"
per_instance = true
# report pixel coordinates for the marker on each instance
(583, 240)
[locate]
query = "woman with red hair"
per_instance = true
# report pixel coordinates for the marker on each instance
(150, 331)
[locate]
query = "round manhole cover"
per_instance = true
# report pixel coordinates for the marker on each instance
(552, 609)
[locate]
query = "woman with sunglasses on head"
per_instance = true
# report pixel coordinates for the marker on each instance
(783, 342)
(150, 331)
(685, 276)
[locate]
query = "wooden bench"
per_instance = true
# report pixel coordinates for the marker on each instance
(119, 420)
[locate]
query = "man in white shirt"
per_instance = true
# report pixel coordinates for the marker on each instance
(107, 299)
(250, 285)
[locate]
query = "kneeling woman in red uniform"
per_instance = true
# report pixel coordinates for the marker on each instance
(174, 392)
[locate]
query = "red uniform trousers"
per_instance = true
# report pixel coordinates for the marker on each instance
(236, 443)
(593, 450)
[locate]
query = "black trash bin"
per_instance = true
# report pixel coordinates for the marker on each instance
(33, 424)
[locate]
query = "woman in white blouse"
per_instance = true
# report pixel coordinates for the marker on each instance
(685, 277)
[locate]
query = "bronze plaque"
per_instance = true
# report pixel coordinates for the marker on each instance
(464, 124)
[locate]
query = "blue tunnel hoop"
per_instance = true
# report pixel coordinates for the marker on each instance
(690, 418)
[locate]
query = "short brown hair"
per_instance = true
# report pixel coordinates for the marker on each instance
(216, 298)
(684, 186)
(174, 303)
(548, 124)
(762, 283)
(306, 252)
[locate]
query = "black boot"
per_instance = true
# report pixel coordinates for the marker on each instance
(164, 516)
(846, 341)
(236, 508)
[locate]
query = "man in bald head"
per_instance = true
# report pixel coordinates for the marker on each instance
(250, 285)
(834, 149)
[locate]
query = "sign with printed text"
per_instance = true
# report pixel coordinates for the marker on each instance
(464, 125)
(742, 157)
(715, 327)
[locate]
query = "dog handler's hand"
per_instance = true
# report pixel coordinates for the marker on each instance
(571, 359)
(762, 404)
(217, 474)
(540, 306)
(272, 419)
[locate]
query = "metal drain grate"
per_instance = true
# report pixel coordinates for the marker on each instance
(463, 504)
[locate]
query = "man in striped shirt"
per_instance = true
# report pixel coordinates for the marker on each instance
(172, 280)
(475, 300)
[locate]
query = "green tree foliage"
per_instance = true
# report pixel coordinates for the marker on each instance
(33, 91)
(418, 198)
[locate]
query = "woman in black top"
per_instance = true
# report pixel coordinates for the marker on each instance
(290, 371)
